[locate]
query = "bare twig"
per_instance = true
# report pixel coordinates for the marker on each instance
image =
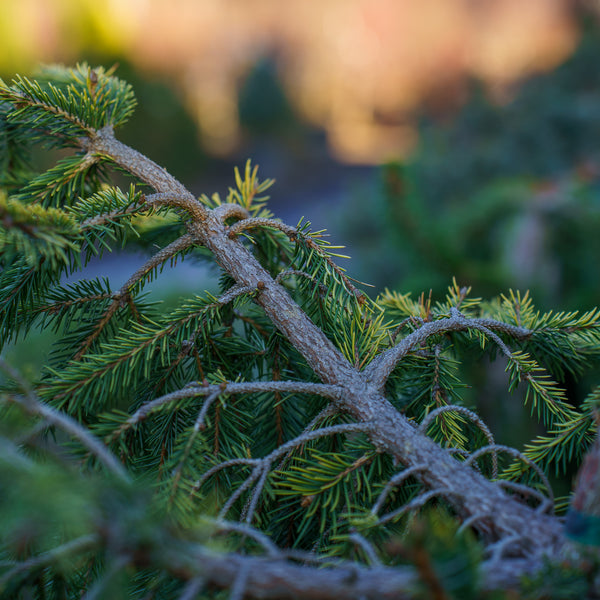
(415, 503)
(238, 588)
(270, 548)
(497, 549)
(366, 547)
(473, 417)
(262, 466)
(192, 589)
(193, 390)
(395, 481)
(546, 503)
(513, 452)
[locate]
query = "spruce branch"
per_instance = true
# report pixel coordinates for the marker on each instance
(380, 368)
(155, 261)
(69, 549)
(331, 333)
(34, 406)
(494, 448)
(262, 466)
(362, 396)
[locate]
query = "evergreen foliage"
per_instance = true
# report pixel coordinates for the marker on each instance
(288, 436)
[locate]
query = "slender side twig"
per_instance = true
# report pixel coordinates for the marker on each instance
(526, 490)
(262, 466)
(175, 200)
(328, 411)
(178, 245)
(366, 547)
(9, 453)
(513, 452)
(474, 417)
(469, 521)
(417, 502)
(497, 549)
(289, 272)
(33, 405)
(228, 210)
(248, 512)
(115, 214)
(293, 234)
(76, 546)
(228, 463)
(238, 588)
(380, 368)
(192, 589)
(230, 388)
(159, 258)
(395, 481)
(98, 589)
(256, 222)
(270, 548)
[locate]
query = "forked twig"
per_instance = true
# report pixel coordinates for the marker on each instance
(263, 465)
(395, 481)
(513, 452)
(473, 417)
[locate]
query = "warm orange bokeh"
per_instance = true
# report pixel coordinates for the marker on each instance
(353, 67)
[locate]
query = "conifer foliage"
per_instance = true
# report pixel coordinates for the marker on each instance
(285, 437)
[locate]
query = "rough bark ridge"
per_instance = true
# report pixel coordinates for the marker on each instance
(526, 532)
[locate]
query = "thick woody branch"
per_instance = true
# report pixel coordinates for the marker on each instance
(362, 397)
(104, 143)
(281, 579)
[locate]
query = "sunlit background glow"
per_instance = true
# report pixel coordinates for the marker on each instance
(355, 69)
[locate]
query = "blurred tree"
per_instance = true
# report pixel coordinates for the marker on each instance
(503, 194)
(263, 105)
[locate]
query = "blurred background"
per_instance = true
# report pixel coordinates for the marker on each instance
(435, 139)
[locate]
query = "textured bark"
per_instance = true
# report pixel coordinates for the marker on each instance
(493, 512)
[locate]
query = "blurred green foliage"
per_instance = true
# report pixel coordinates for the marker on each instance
(505, 194)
